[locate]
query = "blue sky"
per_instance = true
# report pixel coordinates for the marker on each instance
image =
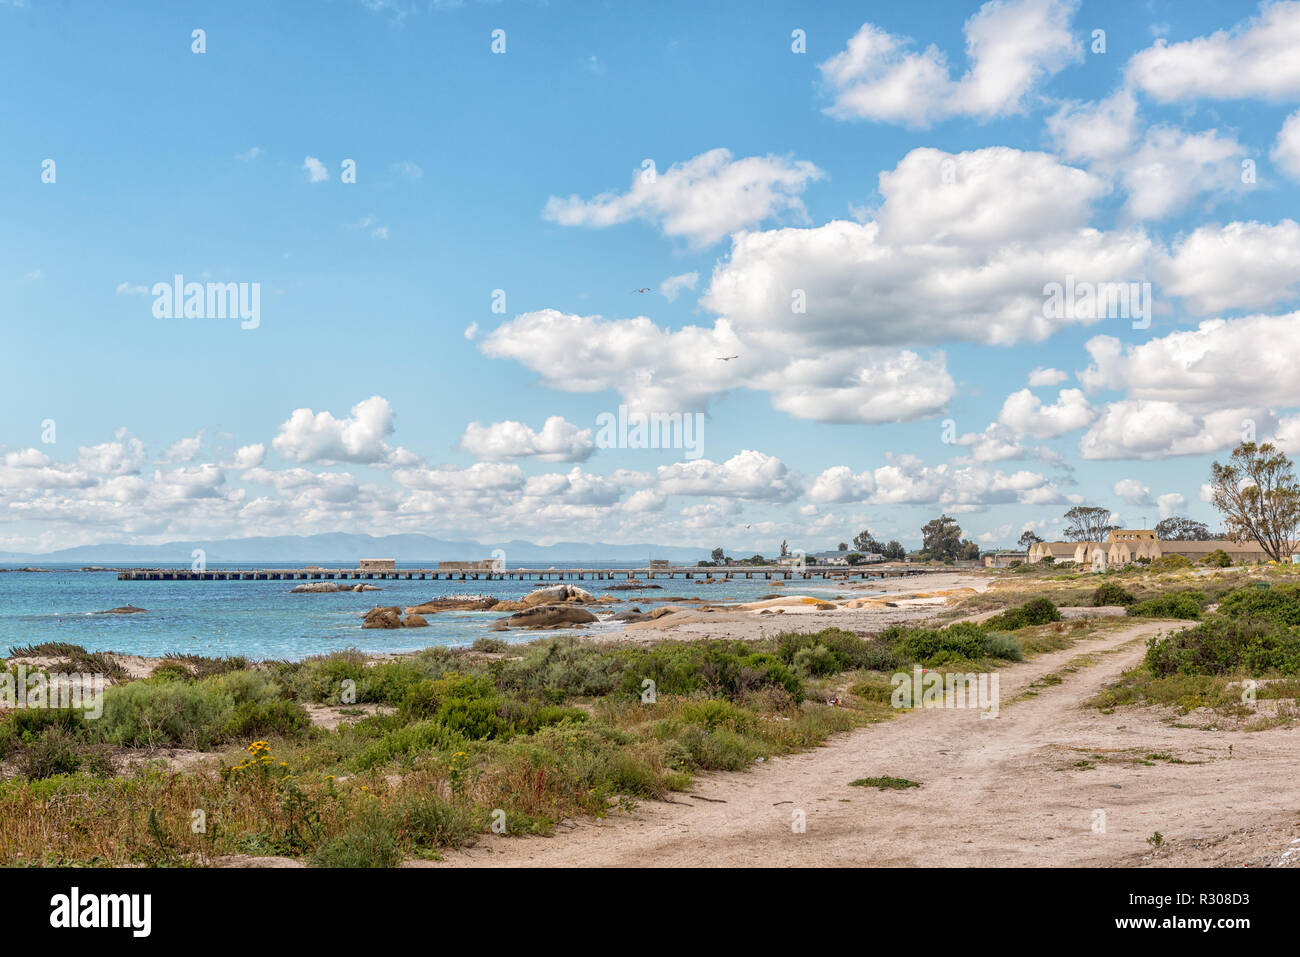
(775, 170)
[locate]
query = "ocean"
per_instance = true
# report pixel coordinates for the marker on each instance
(265, 620)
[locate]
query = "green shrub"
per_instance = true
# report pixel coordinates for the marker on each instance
(1111, 593)
(816, 660)
(55, 751)
(1217, 559)
(476, 718)
(431, 821)
(1226, 646)
(149, 714)
(255, 720)
(964, 641)
(561, 667)
(370, 841)
(490, 646)
(402, 743)
(1171, 562)
(849, 651)
(1184, 604)
(321, 678)
(1036, 611)
(1280, 604)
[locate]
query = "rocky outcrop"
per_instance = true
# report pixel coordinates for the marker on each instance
(313, 588)
(123, 610)
(549, 616)
(454, 603)
(383, 617)
(631, 585)
(415, 621)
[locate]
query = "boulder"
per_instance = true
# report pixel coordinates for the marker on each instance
(383, 617)
(632, 614)
(556, 594)
(123, 610)
(314, 588)
(454, 603)
(545, 616)
(632, 585)
(415, 621)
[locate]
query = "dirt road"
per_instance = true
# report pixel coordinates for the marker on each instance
(1027, 788)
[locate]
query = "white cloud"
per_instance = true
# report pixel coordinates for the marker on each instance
(1171, 504)
(320, 437)
(1047, 377)
(671, 287)
(840, 484)
(1133, 492)
(1095, 132)
(558, 441)
(183, 450)
(481, 476)
(247, 456)
(1255, 58)
(1222, 363)
(1172, 167)
(1149, 429)
(748, 475)
(1025, 414)
(315, 169)
(127, 289)
(122, 457)
(1011, 45)
(1237, 266)
(250, 154)
(1286, 150)
(471, 331)
(701, 200)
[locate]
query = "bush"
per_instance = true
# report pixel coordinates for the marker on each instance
(816, 660)
(561, 667)
(1036, 611)
(321, 678)
(476, 718)
(430, 820)
(1217, 559)
(56, 751)
(1280, 604)
(1171, 562)
(1112, 594)
(149, 714)
(848, 650)
(965, 641)
(727, 669)
(1224, 646)
(1180, 604)
(370, 841)
(252, 719)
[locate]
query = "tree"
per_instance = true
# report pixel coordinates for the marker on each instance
(844, 547)
(718, 555)
(864, 542)
(1259, 498)
(1179, 529)
(785, 548)
(969, 551)
(941, 539)
(894, 551)
(1088, 523)
(1028, 539)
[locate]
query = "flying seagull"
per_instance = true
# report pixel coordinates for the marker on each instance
(726, 358)
(645, 289)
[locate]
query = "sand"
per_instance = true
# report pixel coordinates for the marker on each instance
(1007, 791)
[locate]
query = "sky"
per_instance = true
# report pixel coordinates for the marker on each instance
(851, 245)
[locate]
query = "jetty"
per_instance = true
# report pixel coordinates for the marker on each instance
(720, 573)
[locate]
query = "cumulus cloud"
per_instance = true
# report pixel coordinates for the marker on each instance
(1133, 492)
(748, 475)
(1025, 414)
(701, 200)
(1173, 167)
(315, 169)
(1011, 46)
(1286, 150)
(671, 287)
(840, 484)
(1255, 58)
(183, 450)
(558, 441)
(1237, 266)
(1149, 429)
(309, 436)
(1171, 504)
(247, 456)
(1046, 377)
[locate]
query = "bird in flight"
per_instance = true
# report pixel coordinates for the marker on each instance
(726, 358)
(645, 289)
(746, 528)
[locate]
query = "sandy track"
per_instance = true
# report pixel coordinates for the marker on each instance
(995, 792)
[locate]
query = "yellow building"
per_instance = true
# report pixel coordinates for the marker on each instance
(1124, 546)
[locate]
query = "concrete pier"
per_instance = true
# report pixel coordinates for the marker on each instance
(768, 572)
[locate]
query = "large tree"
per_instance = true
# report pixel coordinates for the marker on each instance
(1180, 529)
(1259, 498)
(718, 554)
(941, 539)
(865, 542)
(1028, 538)
(894, 551)
(1088, 523)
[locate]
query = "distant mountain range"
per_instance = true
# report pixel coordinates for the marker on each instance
(343, 547)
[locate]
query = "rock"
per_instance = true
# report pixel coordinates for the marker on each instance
(415, 621)
(499, 625)
(660, 612)
(313, 588)
(546, 616)
(556, 594)
(124, 610)
(632, 614)
(454, 603)
(383, 617)
(632, 585)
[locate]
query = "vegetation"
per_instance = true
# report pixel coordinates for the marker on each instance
(1088, 523)
(1259, 497)
(1186, 603)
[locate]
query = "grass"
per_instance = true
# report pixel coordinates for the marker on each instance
(885, 783)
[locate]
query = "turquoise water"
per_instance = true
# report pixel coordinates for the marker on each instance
(264, 619)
